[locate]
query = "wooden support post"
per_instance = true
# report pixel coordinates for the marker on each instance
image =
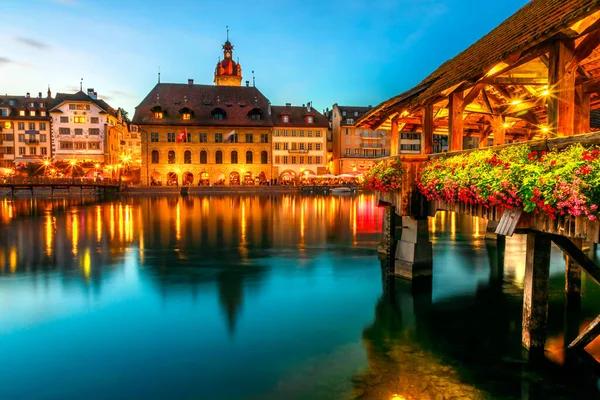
(483, 138)
(455, 121)
(582, 111)
(561, 84)
(573, 273)
(586, 337)
(427, 135)
(571, 249)
(535, 294)
(395, 139)
(499, 130)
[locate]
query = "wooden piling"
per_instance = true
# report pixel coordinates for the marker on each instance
(535, 293)
(573, 273)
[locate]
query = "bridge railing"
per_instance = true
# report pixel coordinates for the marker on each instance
(38, 180)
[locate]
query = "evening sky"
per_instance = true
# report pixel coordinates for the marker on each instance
(353, 52)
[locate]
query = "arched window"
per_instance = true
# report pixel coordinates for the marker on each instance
(155, 157)
(219, 157)
(249, 157)
(171, 157)
(187, 157)
(264, 157)
(234, 158)
(218, 114)
(203, 157)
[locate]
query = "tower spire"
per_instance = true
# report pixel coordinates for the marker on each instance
(227, 27)
(81, 85)
(159, 74)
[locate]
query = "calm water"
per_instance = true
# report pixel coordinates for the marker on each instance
(262, 298)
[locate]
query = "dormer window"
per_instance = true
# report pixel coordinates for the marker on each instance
(31, 105)
(32, 113)
(285, 118)
(42, 105)
(255, 114)
(22, 113)
(310, 119)
(343, 113)
(158, 114)
(43, 113)
(186, 113)
(218, 114)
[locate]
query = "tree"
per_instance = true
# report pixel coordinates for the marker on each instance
(124, 114)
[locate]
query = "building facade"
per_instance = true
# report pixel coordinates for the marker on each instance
(299, 142)
(206, 134)
(354, 149)
(24, 129)
(80, 126)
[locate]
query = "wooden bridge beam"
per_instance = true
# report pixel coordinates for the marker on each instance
(535, 292)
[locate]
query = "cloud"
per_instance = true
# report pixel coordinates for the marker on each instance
(32, 43)
(4, 60)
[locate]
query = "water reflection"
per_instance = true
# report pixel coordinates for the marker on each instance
(262, 297)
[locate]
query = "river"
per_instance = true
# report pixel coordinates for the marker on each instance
(263, 297)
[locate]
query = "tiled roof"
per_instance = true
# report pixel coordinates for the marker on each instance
(350, 110)
(297, 117)
(81, 96)
(534, 23)
(22, 103)
(203, 100)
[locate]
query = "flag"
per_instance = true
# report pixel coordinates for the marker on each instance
(181, 135)
(229, 136)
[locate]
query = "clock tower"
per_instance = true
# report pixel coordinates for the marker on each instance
(228, 72)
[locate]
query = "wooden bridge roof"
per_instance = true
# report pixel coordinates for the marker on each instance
(511, 64)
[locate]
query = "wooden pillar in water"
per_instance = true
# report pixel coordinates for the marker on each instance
(573, 273)
(455, 121)
(535, 293)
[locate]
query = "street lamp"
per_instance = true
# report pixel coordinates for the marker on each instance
(73, 163)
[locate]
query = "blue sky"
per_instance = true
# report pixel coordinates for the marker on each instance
(353, 52)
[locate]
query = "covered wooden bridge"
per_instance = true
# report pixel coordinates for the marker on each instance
(535, 78)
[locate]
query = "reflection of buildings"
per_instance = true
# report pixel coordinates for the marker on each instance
(182, 244)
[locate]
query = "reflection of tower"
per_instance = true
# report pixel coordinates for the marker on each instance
(231, 296)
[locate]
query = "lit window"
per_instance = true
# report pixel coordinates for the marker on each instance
(22, 113)
(32, 113)
(79, 119)
(158, 114)
(7, 125)
(186, 116)
(43, 113)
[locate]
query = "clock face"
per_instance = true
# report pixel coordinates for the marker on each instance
(227, 54)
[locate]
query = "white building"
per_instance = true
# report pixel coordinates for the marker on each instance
(299, 141)
(79, 126)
